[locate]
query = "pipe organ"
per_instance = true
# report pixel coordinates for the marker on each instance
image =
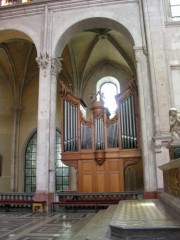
(101, 148)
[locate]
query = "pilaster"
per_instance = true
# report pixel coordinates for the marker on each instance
(146, 122)
(43, 130)
(55, 70)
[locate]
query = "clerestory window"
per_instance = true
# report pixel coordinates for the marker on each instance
(109, 87)
(175, 9)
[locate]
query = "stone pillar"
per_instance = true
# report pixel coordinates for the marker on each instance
(43, 130)
(55, 70)
(73, 178)
(146, 123)
(15, 146)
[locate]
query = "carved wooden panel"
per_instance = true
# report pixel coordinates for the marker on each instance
(100, 182)
(108, 177)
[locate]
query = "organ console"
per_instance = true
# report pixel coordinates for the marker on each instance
(101, 148)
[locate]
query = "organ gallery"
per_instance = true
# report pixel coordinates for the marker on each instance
(105, 151)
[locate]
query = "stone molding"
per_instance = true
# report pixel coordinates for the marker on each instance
(161, 141)
(37, 7)
(44, 61)
(139, 52)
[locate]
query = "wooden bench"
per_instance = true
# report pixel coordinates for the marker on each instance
(7, 203)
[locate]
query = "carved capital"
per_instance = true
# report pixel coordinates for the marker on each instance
(43, 61)
(56, 66)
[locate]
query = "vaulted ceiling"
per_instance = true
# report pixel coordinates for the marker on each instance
(84, 55)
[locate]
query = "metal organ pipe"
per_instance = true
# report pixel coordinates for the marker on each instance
(125, 126)
(65, 125)
(102, 133)
(134, 122)
(122, 124)
(76, 128)
(130, 123)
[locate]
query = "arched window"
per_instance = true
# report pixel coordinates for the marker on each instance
(62, 171)
(109, 87)
(30, 164)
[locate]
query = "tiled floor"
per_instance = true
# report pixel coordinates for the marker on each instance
(146, 219)
(26, 226)
(128, 215)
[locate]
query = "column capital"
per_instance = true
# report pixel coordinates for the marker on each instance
(43, 60)
(56, 66)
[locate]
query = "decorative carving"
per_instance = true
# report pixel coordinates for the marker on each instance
(94, 97)
(56, 66)
(63, 88)
(44, 60)
(100, 161)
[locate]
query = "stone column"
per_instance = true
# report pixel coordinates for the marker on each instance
(73, 178)
(55, 70)
(15, 146)
(146, 123)
(43, 129)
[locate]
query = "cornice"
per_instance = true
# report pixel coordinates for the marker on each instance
(38, 7)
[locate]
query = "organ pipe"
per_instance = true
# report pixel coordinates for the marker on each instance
(77, 132)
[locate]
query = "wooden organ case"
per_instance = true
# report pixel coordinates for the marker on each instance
(104, 151)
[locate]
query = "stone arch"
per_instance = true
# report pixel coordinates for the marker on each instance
(89, 23)
(9, 34)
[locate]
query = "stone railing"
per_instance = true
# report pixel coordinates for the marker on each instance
(61, 196)
(16, 196)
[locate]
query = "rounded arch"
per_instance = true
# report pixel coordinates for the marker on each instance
(9, 34)
(108, 79)
(30, 159)
(90, 23)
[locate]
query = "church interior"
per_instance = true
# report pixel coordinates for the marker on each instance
(90, 104)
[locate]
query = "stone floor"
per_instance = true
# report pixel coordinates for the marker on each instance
(145, 219)
(87, 225)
